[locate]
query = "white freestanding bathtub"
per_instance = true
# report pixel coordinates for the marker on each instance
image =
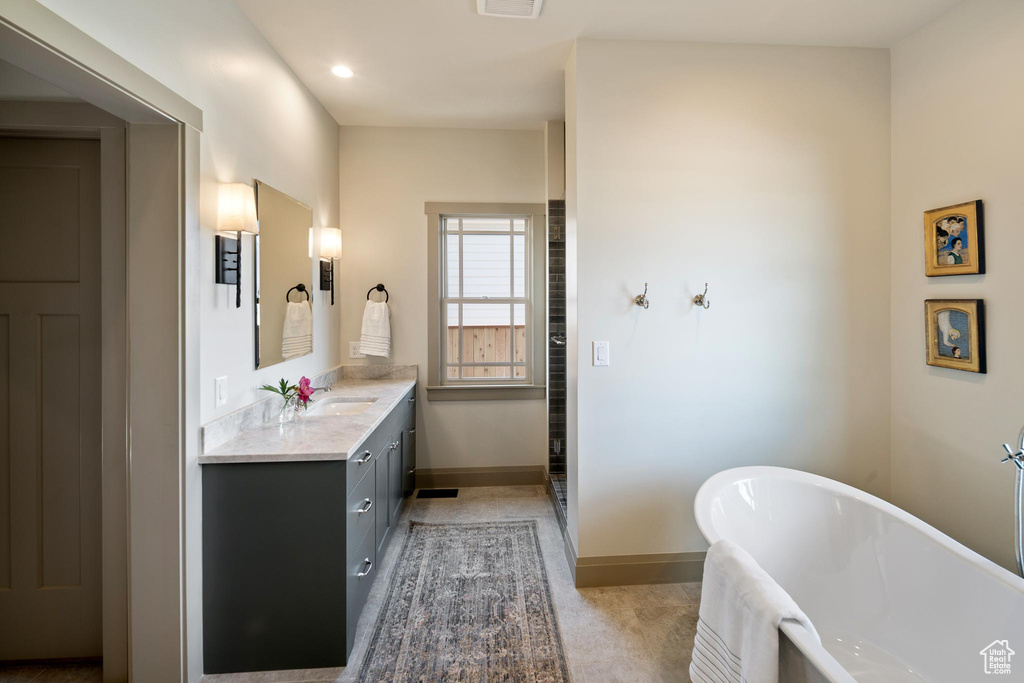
(893, 599)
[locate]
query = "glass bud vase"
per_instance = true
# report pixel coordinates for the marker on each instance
(287, 411)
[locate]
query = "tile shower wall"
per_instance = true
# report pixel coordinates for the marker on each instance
(556, 328)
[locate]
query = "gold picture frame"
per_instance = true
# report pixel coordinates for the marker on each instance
(955, 334)
(953, 240)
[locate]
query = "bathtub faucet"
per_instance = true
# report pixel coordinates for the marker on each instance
(1017, 458)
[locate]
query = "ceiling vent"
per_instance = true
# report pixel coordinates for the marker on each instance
(510, 9)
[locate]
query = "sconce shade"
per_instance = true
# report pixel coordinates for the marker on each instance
(330, 243)
(236, 208)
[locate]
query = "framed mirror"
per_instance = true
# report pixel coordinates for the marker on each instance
(283, 280)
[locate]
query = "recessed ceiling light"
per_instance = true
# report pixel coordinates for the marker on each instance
(341, 71)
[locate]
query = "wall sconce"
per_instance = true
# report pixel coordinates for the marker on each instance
(236, 212)
(330, 249)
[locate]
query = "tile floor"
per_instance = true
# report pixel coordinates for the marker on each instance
(52, 673)
(639, 634)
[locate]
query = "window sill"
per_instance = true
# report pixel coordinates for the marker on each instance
(484, 392)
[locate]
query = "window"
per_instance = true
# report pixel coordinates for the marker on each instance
(489, 331)
(486, 299)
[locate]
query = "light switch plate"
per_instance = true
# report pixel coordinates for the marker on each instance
(353, 350)
(220, 391)
(601, 349)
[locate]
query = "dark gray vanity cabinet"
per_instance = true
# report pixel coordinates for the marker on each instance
(396, 490)
(409, 457)
(291, 549)
(381, 487)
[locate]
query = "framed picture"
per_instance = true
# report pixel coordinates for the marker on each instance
(953, 240)
(955, 333)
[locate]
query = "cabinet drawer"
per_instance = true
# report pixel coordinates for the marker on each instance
(362, 505)
(361, 462)
(362, 568)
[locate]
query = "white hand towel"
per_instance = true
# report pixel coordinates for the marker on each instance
(741, 608)
(297, 334)
(376, 337)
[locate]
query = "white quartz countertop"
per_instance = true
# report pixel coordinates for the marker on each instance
(323, 437)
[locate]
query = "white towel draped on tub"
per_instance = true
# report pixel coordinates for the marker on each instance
(376, 337)
(741, 608)
(297, 335)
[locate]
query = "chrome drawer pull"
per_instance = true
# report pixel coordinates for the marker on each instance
(367, 456)
(412, 431)
(412, 399)
(367, 504)
(369, 566)
(411, 470)
(394, 445)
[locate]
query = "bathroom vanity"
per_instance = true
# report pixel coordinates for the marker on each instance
(295, 521)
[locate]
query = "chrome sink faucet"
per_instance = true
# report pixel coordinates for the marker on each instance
(1017, 458)
(324, 389)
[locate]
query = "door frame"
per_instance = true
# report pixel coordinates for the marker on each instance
(152, 579)
(78, 120)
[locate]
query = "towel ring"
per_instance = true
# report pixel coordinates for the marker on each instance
(301, 288)
(379, 288)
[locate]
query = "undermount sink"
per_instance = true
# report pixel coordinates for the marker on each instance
(339, 405)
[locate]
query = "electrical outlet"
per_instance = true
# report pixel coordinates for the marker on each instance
(353, 350)
(220, 391)
(601, 353)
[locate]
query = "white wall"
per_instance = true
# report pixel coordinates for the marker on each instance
(765, 172)
(957, 105)
(572, 343)
(259, 122)
(386, 176)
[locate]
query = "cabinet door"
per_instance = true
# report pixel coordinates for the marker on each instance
(381, 473)
(409, 459)
(396, 485)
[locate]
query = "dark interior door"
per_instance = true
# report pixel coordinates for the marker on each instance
(50, 600)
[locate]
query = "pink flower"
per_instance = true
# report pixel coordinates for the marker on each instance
(305, 390)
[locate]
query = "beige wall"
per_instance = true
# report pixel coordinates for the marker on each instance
(765, 172)
(554, 143)
(386, 176)
(957, 135)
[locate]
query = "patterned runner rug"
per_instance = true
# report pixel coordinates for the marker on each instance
(468, 602)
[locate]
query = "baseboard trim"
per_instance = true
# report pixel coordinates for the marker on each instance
(624, 570)
(460, 477)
